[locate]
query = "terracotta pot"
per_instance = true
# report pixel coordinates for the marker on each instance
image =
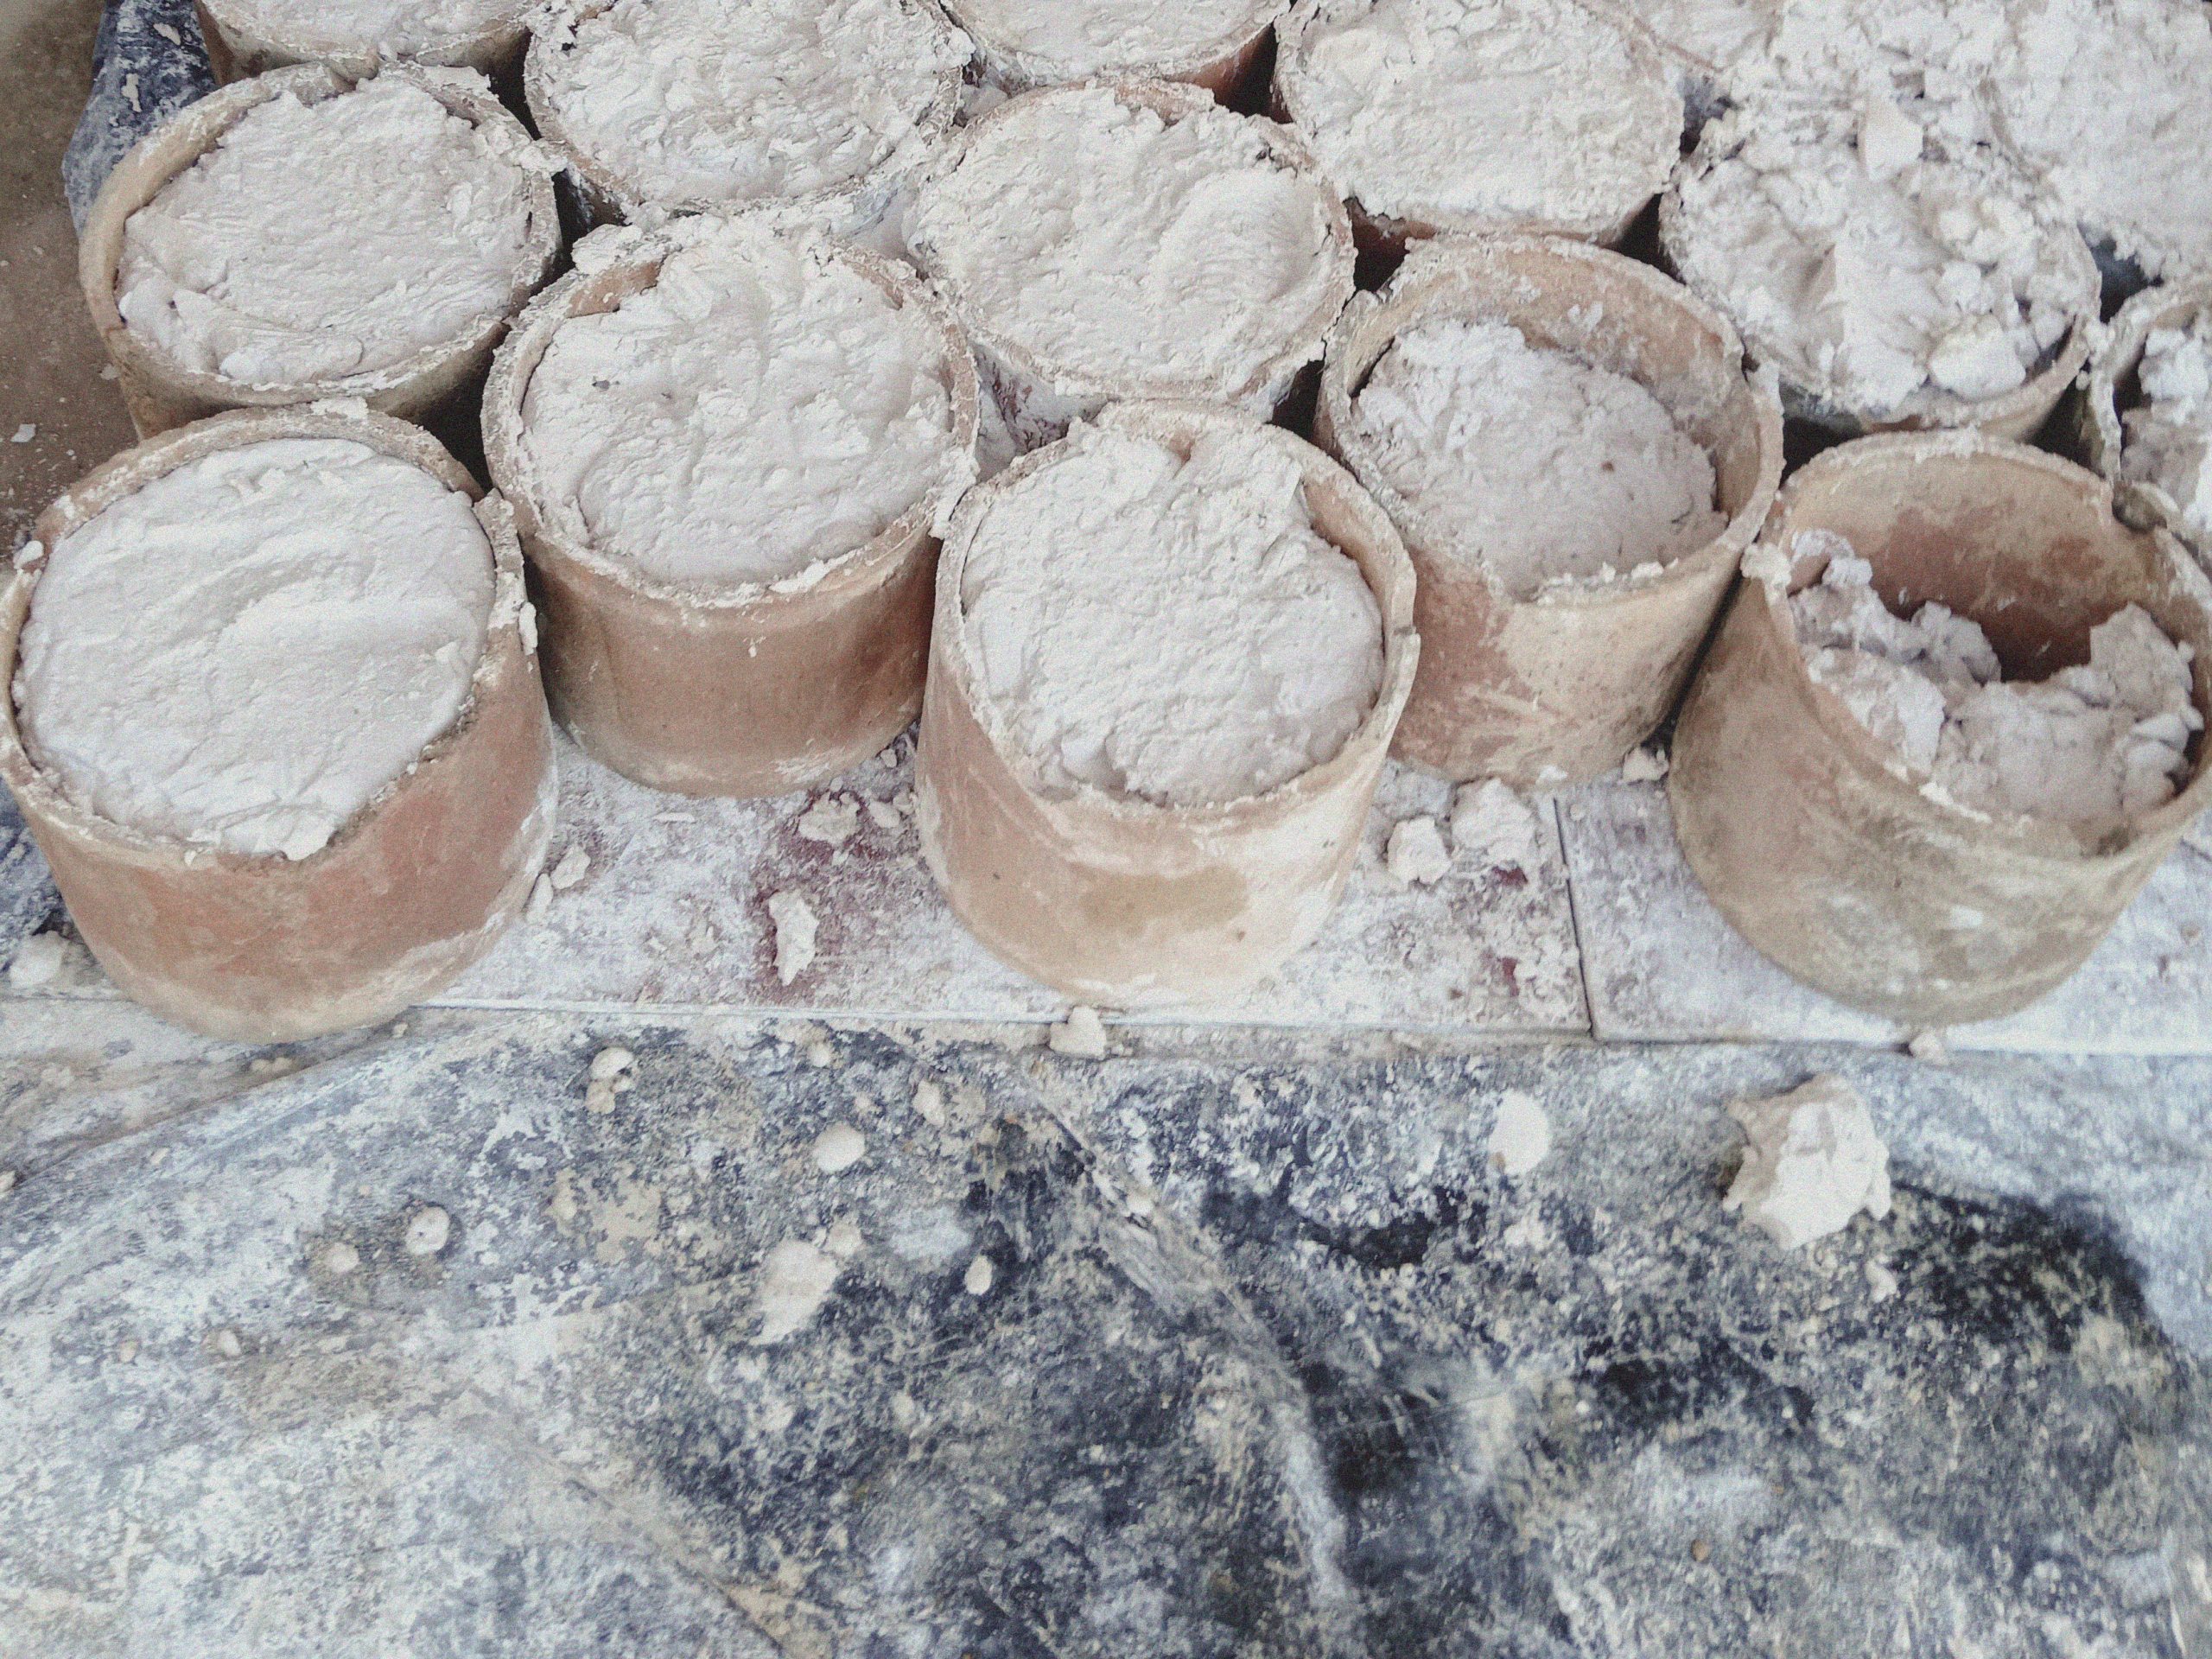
(1117, 900)
(746, 690)
(1222, 65)
(2111, 387)
(241, 45)
(1040, 401)
(416, 887)
(162, 392)
(1561, 686)
(1836, 865)
(605, 193)
(1385, 236)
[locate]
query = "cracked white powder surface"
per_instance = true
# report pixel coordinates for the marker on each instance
(1520, 111)
(1070, 39)
(1813, 1160)
(245, 652)
(736, 101)
(2111, 100)
(325, 241)
(2093, 746)
(1168, 629)
(2169, 435)
(396, 28)
(1714, 33)
(1128, 253)
(762, 408)
(1530, 462)
(1874, 273)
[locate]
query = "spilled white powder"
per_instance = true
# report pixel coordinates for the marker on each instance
(2111, 100)
(1068, 39)
(762, 408)
(319, 242)
(2169, 435)
(244, 653)
(1415, 854)
(1128, 253)
(1494, 827)
(1081, 1036)
(1872, 272)
(1497, 109)
(797, 929)
(723, 102)
(1813, 1160)
(1520, 1136)
(395, 27)
(796, 1279)
(2093, 746)
(1173, 630)
(1531, 463)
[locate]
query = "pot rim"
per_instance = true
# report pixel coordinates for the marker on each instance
(446, 49)
(2161, 306)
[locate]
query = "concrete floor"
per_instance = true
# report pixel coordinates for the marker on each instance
(50, 361)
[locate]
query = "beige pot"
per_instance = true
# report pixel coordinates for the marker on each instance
(1565, 684)
(1387, 237)
(1039, 400)
(1120, 901)
(607, 193)
(1835, 866)
(162, 392)
(241, 45)
(416, 888)
(748, 691)
(2111, 387)
(1222, 65)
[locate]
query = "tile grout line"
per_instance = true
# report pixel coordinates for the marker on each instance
(1574, 920)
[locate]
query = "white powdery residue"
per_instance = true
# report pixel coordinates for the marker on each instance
(37, 962)
(396, 28)
(2169, 436)
(1070, 39)
(730, 102)
(319, 242)
(1517, 111)
(1521, 1138)
(1494, 827)
(1168, 628)
(1129, 253)
(24, 433)
(838, 1148)
(795, 1280)
(1644, 765)
(245, 652)
(1812, 1160)
(1415, 854)
(2112, 101)
(2093, 746)
(1081, 1036)
(833, 820)
(1883, 286)
(796, 930)
(1714, 34)
(1529, 462)
(762, 408)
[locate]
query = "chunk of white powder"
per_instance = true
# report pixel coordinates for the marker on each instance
(393, 27)
(245, 652)
(1069, 40)
(2169, 436)
(1130, 255)
(1081, 1036)
(1494, 827)
(838, 1148)
(1415, 854)
(1812, 1160)
(795, 1280)
(1508, 110)
(1170, 629)
(1520, 1136)
(1530, 462)
(325, 241)
(698, 103)
(797, 928)
(762, 408)
(2093, 746)
(1886, 289)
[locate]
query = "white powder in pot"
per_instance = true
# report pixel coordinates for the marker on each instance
(1518, 110)
(1170, 629)
(1877, 276)
(324, 241)
(396, 28)
(2093, 746)
(245, 652)
(1068, 39)
(726, 101)
(2111, 100)
(761, 408)
(1530, 461)
(2169, 435)
(1714, 34)
(1131, 254)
